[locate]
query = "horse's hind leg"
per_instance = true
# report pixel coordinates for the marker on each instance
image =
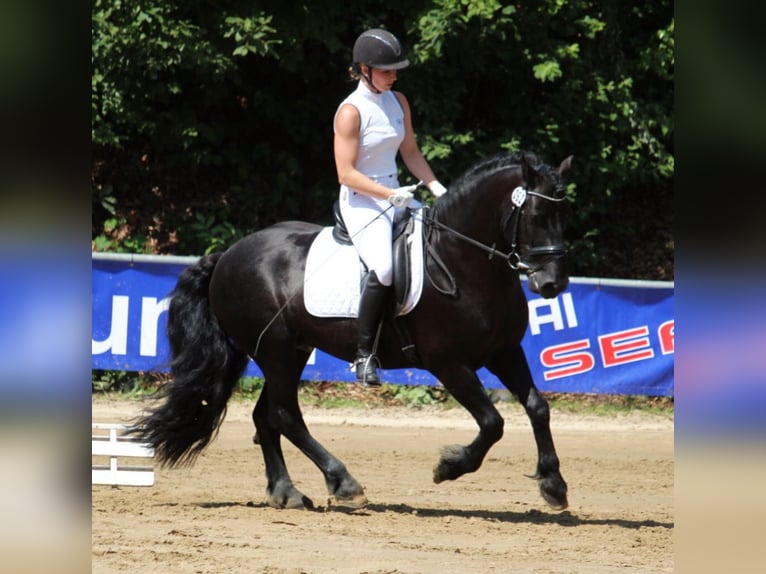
(343, 488)
(280, 491)
(513, 370)
(277, 413)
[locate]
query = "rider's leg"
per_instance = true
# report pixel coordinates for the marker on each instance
(369, 224)
(371, 304)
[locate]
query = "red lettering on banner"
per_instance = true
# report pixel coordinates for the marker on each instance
(567, 358)
(667, 335)
(625, 346)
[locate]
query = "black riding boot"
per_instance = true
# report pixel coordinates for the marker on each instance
(371, 304)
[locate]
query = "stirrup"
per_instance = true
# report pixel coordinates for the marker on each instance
(367, 370)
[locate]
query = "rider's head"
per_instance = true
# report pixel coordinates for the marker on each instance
(378, 49)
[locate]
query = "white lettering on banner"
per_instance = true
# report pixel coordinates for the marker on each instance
(151, 310)
(117, 340)
(554, 316)
(566, 299)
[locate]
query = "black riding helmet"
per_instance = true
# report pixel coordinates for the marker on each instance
(379, 49)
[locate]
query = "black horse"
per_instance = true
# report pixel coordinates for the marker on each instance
(504, 216)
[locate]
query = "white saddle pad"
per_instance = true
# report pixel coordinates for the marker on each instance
(334, 271)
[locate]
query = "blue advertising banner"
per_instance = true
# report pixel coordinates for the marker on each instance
(598, 336)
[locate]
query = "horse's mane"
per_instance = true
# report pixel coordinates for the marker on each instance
(461, 189)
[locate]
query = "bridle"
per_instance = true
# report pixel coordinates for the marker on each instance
(512, 218)
(513, 258)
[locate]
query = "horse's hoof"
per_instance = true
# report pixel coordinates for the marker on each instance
(451, 464)
(441, 473)
(346, 492)
(293, 500)
(555, 503)
(553, 489)
(353, 502)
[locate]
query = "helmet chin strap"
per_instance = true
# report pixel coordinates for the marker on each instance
(368, 78)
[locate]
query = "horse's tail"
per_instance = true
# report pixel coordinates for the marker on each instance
(205, 367)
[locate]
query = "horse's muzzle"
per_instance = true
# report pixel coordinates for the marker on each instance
(549, 281)
(550, 289)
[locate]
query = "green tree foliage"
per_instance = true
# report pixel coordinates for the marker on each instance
(211, 120)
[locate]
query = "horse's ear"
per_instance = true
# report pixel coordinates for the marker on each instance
(565, 167)
(529, 172)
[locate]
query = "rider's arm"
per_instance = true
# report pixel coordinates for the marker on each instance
(409, 150)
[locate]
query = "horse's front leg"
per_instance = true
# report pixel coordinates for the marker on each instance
(512, 369)
(465, 386)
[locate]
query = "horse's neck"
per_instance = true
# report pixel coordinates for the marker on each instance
(478, 268)
(478, 218)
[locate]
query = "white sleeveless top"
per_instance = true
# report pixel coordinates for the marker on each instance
(381, 131)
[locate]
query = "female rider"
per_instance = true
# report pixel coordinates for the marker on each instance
(371, 125)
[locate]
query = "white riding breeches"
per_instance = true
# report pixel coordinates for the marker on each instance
(369, 222)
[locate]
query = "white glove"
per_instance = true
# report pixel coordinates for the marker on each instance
(402, 196)
(437, 189)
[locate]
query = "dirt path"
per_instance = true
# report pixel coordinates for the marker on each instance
(211, 518)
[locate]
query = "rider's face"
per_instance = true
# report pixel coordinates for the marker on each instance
(383, 80)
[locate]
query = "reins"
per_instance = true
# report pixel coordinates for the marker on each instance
(487, 248)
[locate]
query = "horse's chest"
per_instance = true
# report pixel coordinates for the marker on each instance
(499, 319)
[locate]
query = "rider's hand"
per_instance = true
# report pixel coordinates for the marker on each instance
(437, 188)
(401, 196)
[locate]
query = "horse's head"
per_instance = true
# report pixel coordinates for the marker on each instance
(529, 198)
(535, 227)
